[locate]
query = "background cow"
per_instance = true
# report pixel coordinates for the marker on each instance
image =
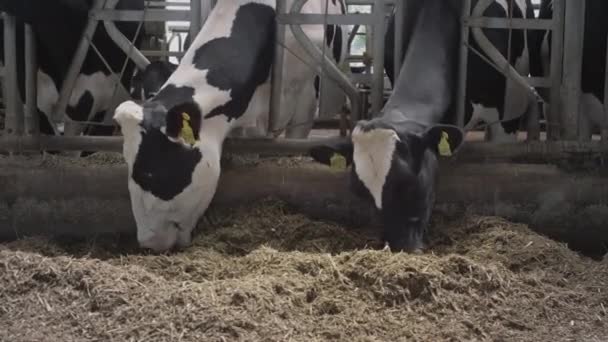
(594, 59)
(58, 27)
(173, 142)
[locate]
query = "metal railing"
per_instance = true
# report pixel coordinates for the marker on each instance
(563, 121)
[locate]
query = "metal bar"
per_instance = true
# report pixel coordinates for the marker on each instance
(206, 8)
(557, 49)
(370, 2)
(492, 52)
(399, 24)
(462, 70)
(573, 63)
(135, 15)
(378, 56)
(125, 45)
(195, 18)
(333, 71)
(504, 23)
(472, 151)
(31, 119)
(162, 53)
(539, 82)
(75, 66)
(332, 19)
(277, 71)
(12, 98)
(605, 128)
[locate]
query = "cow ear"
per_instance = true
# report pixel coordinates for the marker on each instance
(338, 155)
(444, 139)
(184, 121)
(128, 114)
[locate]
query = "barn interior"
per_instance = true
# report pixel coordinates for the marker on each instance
(517, 248)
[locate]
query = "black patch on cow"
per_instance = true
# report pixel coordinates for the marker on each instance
(81, 111)
(241, 62)
(155, 111)
(162, 167)
(151, 79)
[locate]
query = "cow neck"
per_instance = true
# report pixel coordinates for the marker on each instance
(423, 90)
(213, 133)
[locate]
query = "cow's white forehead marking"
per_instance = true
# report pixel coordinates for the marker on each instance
(373, 156)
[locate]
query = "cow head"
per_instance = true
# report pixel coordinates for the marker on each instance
(147, 82)
(173, 170)
(395, 169)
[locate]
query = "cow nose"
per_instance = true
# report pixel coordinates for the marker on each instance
(409, 241)
(160, 242)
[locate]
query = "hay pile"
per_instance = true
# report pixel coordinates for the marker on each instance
(267, 274)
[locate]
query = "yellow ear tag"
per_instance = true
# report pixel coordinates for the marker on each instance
(444, 145)
(338, 162)
(186, 132)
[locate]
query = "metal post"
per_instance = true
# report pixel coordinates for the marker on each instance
(195, 20)
(464, 59)
(14, 108)
(399, 24)
(74, 70)
(378, 56)
(206, 8)
(573, 62)
(32, 124)
(277, 71)
(605, 127)
(557, 49)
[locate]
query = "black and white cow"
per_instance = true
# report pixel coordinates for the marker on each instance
(594, 59)
(58, 27)
(394, 157)
(173, 142)
(491, 98)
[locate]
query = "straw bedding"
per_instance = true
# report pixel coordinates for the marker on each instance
(265, 273)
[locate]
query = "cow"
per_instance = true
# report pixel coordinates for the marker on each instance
(173, 142)
(393, 158)
(58, 27)
(498, 102)
(593, 63)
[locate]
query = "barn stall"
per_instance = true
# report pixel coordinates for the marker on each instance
(516, 246)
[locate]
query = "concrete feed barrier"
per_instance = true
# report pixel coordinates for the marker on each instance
(80, 199)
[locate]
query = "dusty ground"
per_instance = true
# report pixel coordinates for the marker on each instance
(264, 273)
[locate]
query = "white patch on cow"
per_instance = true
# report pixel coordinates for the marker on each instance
(373, 156)
(128, 115)
(99, 85)
(47, 93)
(490, 116)
(592, 108)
